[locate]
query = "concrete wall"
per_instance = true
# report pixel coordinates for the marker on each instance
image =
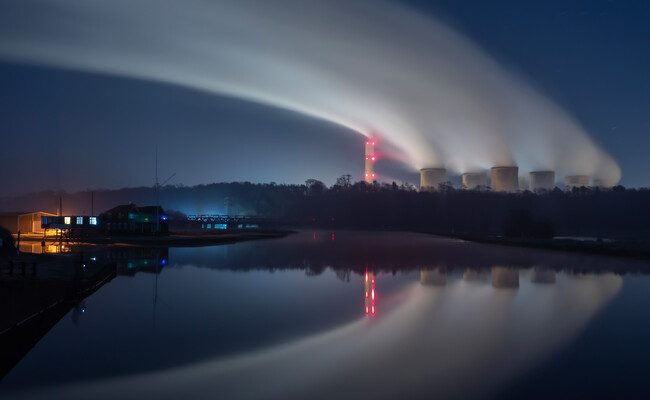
(505, 179)
(577, 181)
(473, 180)
(541, 180)
(431, 178)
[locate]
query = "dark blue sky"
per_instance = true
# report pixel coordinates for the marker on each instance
(69, 130)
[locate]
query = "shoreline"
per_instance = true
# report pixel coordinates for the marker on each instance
(633, 250)
(171, 240)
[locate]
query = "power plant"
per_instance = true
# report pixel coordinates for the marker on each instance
(505, 179)
(473, 180)
(541, 180)
(371, 157)
(432, 178)
(502, 178)
(576, 181)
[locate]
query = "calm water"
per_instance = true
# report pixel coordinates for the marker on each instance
(295, 318)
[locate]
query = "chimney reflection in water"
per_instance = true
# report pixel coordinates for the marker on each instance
(369, 283)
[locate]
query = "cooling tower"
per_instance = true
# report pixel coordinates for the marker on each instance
(473, 180)
(599, 183)
(576, 181)
(431, 178)
(541, 180)
(505, 179)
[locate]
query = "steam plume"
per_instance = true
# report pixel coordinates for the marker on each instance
(375, 67)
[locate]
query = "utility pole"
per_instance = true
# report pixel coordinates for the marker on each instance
(157, 197)
(92, 203)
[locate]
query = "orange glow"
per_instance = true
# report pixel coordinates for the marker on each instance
(369, 278)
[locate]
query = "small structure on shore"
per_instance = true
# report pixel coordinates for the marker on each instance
(25, 222)
(129, 219)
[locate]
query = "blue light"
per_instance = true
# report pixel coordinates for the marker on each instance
(163, 262)
(164, 218)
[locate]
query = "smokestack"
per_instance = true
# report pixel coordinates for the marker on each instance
(576, 181)
(431, 178)
(473, 180)
(505, 179)
(370, 158)
(542, 180)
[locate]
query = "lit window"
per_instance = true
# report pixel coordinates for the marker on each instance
(66, 220)
(93, 221)
(80, 220)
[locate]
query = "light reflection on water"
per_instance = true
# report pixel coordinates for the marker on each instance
(309, 316)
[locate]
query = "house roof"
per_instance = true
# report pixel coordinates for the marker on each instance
(132, 208)
(18, 213)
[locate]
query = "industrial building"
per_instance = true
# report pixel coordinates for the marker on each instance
(432, 178)
(505, 179)
(25, 222)
(541, 180)
(473, 180)
(576, 181)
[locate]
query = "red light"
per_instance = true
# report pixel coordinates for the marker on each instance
(367, 142)
(373, 143)
(373, 159)
(373, 175)
(373, 311)
(366, 310)
(373, 294)
(366, 276)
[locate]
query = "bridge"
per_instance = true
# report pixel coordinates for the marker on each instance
(222, 221)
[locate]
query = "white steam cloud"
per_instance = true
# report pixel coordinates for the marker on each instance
(375, 67)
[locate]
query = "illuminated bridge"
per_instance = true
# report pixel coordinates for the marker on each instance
(218, 221)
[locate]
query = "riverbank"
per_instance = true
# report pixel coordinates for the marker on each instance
(172, 240)
(616, 248)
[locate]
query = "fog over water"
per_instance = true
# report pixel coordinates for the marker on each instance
(378, 68)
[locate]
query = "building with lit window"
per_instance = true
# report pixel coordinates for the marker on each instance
(130, 219)
(69, 222)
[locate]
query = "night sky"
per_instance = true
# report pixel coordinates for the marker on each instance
(69, 130)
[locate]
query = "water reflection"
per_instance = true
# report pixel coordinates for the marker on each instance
(504, 277)
(369, 296)
(458, 320)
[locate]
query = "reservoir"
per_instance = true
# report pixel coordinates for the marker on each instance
(350, 315)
